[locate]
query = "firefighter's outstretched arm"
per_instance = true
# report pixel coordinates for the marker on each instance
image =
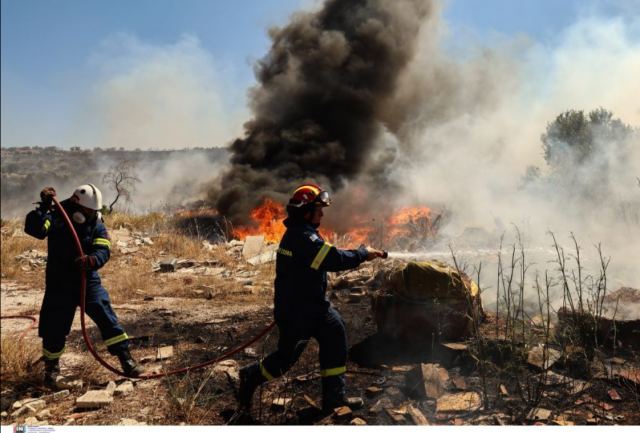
(327, 257)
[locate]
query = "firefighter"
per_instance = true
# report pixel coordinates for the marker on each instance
(62, 287)
(301, 310)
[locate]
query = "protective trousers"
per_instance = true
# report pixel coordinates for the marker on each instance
(329, 330)
(57, 312)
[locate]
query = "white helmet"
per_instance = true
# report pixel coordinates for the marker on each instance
(88, 196)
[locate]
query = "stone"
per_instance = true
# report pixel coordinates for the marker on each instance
(539, 414)
(32, 420)
(66, 383)
(311, 402)
(43, 414)
(111, 387)
(342, 412)
(147, 241)
(395, 415)
(252, 246)
(164, 352)
(266, 257)
(130, 421)
(23, 410)
(373, 391)
(613, 395)
(169, 265)
(543, 358)
(94, 399)
(568, 384)
(16, 405)
(354, 402)
(38, 404)
(4, 414)
(250, 352)
(379, 405)
(280, 403)
(503, 390)
(458, 402)
(357, 421)
(459, 383)
(230, 368)
(124, 388)
(417, 416)
(56, 396)
(427, 380)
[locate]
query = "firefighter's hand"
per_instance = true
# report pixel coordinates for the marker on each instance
(46, 195)
(85, 262)
(372, 253)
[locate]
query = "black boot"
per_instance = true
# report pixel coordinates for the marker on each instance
(129, 366)
(333, 393)
(250, 379)
(51, 373)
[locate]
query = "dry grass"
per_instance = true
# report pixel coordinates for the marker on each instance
(14, 243)
(152, 222)
(18, 355)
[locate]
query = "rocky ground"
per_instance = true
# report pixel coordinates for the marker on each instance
(185, 302)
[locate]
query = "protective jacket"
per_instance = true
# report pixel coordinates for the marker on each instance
(62, 291)
(302, 262)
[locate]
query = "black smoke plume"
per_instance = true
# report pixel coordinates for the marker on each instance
(318, 105)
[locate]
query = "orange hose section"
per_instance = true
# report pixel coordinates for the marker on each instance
(85, 335)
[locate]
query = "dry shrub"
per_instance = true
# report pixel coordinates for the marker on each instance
(18, 355)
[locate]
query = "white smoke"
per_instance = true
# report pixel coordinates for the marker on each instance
(469, 129)
(158, 97)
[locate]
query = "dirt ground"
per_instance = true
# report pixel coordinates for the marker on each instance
(203, 316)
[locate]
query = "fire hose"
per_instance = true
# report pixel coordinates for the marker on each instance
(87, 340)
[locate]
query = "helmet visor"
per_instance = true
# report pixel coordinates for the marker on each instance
(324, 198)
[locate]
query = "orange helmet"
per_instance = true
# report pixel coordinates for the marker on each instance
(309, 193)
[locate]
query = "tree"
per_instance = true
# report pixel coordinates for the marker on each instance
(121, 179)
(574, 139)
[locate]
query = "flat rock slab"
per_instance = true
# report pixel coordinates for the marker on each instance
(428, 380)
(124, 388)
(94, 399)
(459, 402)
(164, 352)
(252, 246)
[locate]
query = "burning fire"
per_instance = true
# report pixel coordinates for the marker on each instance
(405, 222)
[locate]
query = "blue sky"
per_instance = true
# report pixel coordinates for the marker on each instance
(56, 53)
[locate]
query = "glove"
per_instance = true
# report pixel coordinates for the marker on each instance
(85, 262)
(46, 196)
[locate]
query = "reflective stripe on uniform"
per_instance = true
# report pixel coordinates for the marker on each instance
(117, 339)
(285, 252)
(321, 256)
(51, 355)
(102, 242)
(333, 371)
(265, 373)
(46, 225)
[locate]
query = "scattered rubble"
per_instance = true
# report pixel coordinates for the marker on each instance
(34, 258)
(459, 402)
(543, 357)
(94, 399)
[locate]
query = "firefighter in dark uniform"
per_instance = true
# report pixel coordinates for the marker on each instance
(301, 309)
(62, 289)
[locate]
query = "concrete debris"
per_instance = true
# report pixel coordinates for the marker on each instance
(252, 246)
(357, 421)
(417, 416)
(37, 404)
(503, 390)
(539, 414)
(427, 380)
(94, 399)
(23, 410)
(164, 352)
(264, 257)
(459, 402)
(124, 388)
(543, 357)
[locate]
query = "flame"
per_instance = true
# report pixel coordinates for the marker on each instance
(268, 219)
(407, 222)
